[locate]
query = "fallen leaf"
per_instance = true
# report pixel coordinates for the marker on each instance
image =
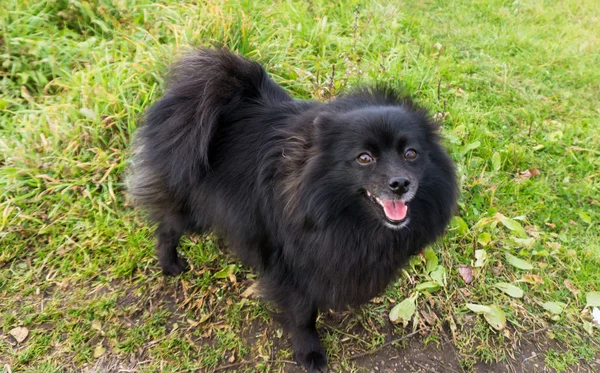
(251, 291)
(593, 299)
(533, 231)
(403, 311)
(533, 279)
(496, 318)
(193, 323)
(428, 286)
(518, 262)
(431, 260)
(466, 273)
(480, 258)
(493, 314)
(88, 113)
(543, 253)
(20, 333)
(232, 278)
(484, 221)
(554, 307)
(460, 225)
(99, 351)
(527, 174)
(465, 292)
(484, 239)
(377, 300)
(510, 289)
(512, 225)
(471, 146)
(596, 315)
(572, 288)
(478, 308)
(439, 276)
(522, 242)
(225, 272)
(553, 245)
(96, 325)
(588, 327)
(553, 226)
(496, 161)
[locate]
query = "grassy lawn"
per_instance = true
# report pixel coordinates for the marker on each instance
(516, 86)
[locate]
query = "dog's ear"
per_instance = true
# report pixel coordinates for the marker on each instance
(323, 120)
(323, 125)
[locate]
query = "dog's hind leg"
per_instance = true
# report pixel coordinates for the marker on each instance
(168, 233)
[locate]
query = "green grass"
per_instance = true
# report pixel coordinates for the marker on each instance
(515, 84)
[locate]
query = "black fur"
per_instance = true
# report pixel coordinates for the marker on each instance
(229, 151)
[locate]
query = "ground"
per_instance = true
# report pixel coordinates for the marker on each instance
(511, 287)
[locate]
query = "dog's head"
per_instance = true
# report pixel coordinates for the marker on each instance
(376, 158)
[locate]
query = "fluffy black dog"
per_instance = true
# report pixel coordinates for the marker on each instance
(325, 200)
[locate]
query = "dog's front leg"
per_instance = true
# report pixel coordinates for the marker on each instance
(308, 350)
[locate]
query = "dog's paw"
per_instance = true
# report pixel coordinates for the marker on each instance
(175, 267)
(314, 361)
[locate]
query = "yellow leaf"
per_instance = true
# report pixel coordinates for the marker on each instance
(99, 351)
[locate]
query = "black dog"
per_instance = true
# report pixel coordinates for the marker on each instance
(325, 200)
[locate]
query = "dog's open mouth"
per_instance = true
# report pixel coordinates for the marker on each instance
(395, 211)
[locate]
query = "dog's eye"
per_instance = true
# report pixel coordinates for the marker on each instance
(410, 154)
(364, 158)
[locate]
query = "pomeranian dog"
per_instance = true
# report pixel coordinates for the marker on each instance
(325, 200)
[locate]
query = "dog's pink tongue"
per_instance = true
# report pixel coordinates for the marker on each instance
(394, 210)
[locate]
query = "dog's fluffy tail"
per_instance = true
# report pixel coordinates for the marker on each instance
(171, 149)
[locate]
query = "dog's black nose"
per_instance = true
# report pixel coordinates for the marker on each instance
(399, 185)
